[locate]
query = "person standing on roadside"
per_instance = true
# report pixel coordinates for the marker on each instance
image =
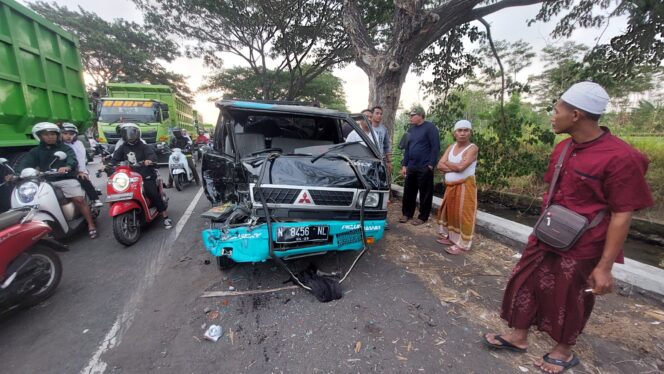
(419, 160)
(456, 215)
(384, 142)
(598, 175)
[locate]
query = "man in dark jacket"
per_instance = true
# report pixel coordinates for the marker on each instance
(134, 151)
(419, 159)
(43, 158)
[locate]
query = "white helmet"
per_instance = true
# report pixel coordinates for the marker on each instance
(69, 127)
(44, 126)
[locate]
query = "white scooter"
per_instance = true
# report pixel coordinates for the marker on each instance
(179, 169)
(33, 189)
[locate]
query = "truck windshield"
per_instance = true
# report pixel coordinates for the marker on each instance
(119, 110)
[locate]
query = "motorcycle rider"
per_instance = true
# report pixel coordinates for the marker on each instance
(200, 141)
(42, 157)
(184, 143)
(70, 138)
(134, 150)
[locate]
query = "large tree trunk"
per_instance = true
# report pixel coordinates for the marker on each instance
(385, 90)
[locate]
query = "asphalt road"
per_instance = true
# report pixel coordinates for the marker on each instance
(139, 310)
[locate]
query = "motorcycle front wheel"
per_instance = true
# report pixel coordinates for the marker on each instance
(47, 264)
(126, 228)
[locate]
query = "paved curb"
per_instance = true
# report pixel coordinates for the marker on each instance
(644, 276)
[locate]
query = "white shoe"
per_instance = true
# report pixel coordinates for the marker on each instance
(98, 204)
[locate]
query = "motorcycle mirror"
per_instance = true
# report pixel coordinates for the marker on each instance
(3, 160)
(60, 155)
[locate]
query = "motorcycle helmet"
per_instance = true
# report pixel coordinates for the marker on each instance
(44, 126)
(70, 127)
(130, 133)
(177, 132)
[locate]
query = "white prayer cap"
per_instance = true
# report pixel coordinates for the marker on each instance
(463, 124)
(587, 96)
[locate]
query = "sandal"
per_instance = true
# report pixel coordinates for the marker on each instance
(454, 250)
(562, 363)
(417, 222)
(93, 234)
(504, 344)
(444, 241)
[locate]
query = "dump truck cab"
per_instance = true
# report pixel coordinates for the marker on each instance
(290, 163)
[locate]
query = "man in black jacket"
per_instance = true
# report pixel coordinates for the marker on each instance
(185, 144)
(43, 158)
(133, 150)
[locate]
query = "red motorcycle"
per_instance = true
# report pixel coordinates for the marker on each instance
(130, 208)
(30, 270)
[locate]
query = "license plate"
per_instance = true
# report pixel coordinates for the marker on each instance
(302, 234)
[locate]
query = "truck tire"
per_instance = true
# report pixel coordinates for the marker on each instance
(225, 263)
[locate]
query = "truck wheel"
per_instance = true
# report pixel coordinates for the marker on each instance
(225, 263)
(47, 265)
(126, 230)
(177, 181)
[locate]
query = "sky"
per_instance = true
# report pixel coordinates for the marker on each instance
(508, 24)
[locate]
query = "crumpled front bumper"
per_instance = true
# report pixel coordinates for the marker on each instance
(250, 244)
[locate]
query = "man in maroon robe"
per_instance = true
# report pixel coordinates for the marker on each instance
(554, 290)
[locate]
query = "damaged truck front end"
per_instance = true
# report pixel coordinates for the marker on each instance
(284, 184)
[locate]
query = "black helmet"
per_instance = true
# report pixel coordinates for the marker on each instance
(130, 133)
(177, 132)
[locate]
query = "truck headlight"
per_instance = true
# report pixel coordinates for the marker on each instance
(373, 198)
(27, 192)
(120, 182)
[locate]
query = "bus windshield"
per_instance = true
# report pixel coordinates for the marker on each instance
(126, 111)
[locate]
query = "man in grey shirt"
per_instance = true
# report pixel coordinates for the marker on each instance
(381, 131)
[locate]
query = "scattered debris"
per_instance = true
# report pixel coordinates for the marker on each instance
(213, 333)
(239, 293)
(185, 258)
(523, 370)
(231, 288)
(86, 331)
(358, 346)
(656, 314)
(401, 358)
(213, 315)
(231, 335)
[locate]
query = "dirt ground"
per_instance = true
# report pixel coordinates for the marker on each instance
(624, 335)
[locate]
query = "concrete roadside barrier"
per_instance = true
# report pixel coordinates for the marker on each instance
(512, 233)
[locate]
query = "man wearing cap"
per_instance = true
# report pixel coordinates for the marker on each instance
(456, 216)
(555, 290)
(419, 159)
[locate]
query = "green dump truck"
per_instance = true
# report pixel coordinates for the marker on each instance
(41, 78)
(155, 108)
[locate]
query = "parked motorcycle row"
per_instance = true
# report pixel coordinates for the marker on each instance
(30, 233)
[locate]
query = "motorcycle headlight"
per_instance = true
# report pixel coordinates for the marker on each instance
(373, 198)
(120, 182)
(27, 192)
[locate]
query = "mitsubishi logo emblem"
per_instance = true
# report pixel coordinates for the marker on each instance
(304, 198)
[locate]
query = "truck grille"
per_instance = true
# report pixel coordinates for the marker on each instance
(150, 136)
(333, 198)
(277, 195)
(349, 237)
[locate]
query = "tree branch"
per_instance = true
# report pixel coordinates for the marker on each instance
(500, 64)
(478, 13)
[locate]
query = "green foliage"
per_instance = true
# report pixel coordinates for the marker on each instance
(521, 148)
(243, 83)
(302, 39)
(640, 45)
(118, 51)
